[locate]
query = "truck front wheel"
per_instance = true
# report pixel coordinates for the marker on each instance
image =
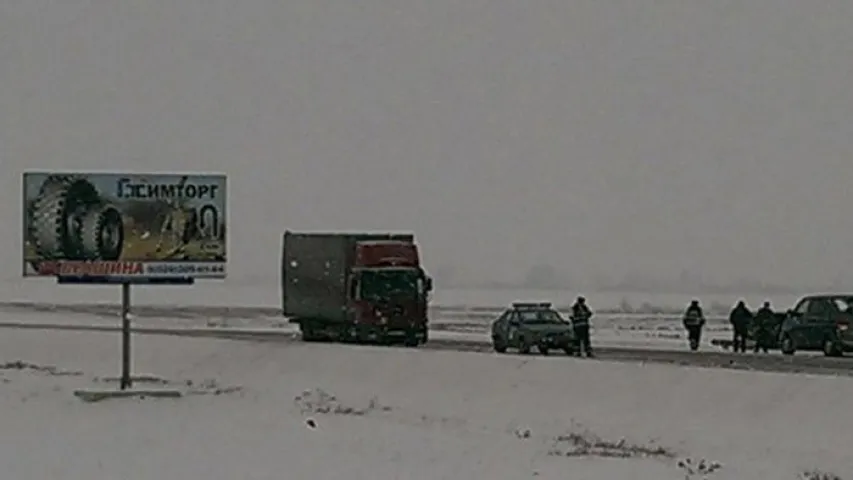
(415, 338)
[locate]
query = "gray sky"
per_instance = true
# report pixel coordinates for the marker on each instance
(612, 136)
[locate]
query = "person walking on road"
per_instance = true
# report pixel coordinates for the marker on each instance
(694, 320)
(741, 319)
(581, 314)
(762, 326)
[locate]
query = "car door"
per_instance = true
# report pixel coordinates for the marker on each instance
(795, 327)
(513, 324)
(824, 325)
(815, 322)
(843, 315)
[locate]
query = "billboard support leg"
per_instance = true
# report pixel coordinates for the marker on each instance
(126, 381)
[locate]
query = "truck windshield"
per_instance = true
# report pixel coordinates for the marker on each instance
(382, 284)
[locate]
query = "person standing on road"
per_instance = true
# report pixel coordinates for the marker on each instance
(741, 319)
(762, 326)
(581, 314)
(694, 320)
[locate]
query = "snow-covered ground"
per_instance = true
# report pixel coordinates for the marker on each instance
(387, 413)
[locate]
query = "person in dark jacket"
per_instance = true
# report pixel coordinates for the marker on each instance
(694, 320)
(741, 320)
(762, 326)
(580, 317)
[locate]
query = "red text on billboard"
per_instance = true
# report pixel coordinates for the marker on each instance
(91, 268)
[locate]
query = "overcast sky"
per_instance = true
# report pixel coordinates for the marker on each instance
(606, 135)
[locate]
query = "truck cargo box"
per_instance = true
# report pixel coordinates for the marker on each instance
(315, 268)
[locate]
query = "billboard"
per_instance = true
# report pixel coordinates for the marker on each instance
(124, 225)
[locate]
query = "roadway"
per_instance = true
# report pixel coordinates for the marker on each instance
(802, 363)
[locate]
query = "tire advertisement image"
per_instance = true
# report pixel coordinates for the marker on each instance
(116, 224)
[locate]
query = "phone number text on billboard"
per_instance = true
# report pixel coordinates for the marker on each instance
(188, 269)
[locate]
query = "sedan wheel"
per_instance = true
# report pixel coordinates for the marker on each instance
(829, 348)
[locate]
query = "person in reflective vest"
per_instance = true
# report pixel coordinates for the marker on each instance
(694, 320)
(581, 315)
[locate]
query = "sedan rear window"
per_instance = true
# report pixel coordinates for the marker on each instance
(843, 304)
(540, 316)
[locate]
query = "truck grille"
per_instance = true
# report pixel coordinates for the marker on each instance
(395, 311)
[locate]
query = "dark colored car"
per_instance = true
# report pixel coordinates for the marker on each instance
(527, 325)
(819, 323)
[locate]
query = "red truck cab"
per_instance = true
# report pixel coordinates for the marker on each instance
(386, 253)
(389, 289)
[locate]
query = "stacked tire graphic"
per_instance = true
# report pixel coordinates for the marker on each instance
(70, 221)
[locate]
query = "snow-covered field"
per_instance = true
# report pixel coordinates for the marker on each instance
(386, 413)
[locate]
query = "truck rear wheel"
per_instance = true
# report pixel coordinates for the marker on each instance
(309, 332)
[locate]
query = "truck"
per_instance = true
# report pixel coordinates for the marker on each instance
(355, 287)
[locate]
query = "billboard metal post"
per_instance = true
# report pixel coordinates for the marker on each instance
(126, 378)
(126, 381)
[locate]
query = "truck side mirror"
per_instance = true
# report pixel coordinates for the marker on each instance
(428, 284)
